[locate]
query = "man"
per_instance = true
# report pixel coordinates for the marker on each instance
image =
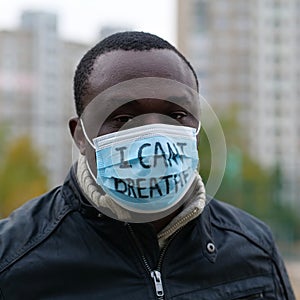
(132, 220)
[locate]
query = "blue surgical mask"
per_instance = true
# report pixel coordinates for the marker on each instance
(147, 169)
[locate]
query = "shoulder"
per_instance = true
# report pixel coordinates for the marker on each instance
(30, 225)
(226, 217)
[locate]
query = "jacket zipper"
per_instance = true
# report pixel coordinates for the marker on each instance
(155, 274)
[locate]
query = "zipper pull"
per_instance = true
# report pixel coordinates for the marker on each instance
(158, 283)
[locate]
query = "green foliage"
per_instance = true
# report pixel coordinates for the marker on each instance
(4, 132)
(247, 185)
(21, 175)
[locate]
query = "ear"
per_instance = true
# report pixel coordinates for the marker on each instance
(77, 134)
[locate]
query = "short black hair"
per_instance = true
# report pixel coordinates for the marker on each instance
(128, 41)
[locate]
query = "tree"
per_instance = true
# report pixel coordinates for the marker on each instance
(21, 175)
(246, 184)
(4, 132)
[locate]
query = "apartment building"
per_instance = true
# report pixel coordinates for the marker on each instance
(247, 52)
(36, 87)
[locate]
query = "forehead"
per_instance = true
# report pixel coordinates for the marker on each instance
(118, 66)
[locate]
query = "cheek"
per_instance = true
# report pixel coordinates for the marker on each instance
(107, 128)
(191, 122)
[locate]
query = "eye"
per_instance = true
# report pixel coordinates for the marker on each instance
(122, 118)
(177, 115)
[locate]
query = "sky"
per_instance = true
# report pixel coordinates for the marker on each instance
(81, 20)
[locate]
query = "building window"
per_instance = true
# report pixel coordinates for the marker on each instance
(201, 15)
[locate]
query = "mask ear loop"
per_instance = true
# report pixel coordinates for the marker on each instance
(92, 145)
(85, 134)
(199, 127)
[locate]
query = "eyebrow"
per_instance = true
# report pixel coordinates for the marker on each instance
(178, 99)
(168, 101)
(113, 103)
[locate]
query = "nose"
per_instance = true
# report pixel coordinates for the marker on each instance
(155, 118)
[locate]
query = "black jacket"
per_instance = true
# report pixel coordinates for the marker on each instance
(57, 247)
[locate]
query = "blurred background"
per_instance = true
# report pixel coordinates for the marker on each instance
(246, 54)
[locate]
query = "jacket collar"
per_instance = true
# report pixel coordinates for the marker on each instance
(202, 222)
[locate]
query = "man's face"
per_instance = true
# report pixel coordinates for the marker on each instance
(116, 67)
